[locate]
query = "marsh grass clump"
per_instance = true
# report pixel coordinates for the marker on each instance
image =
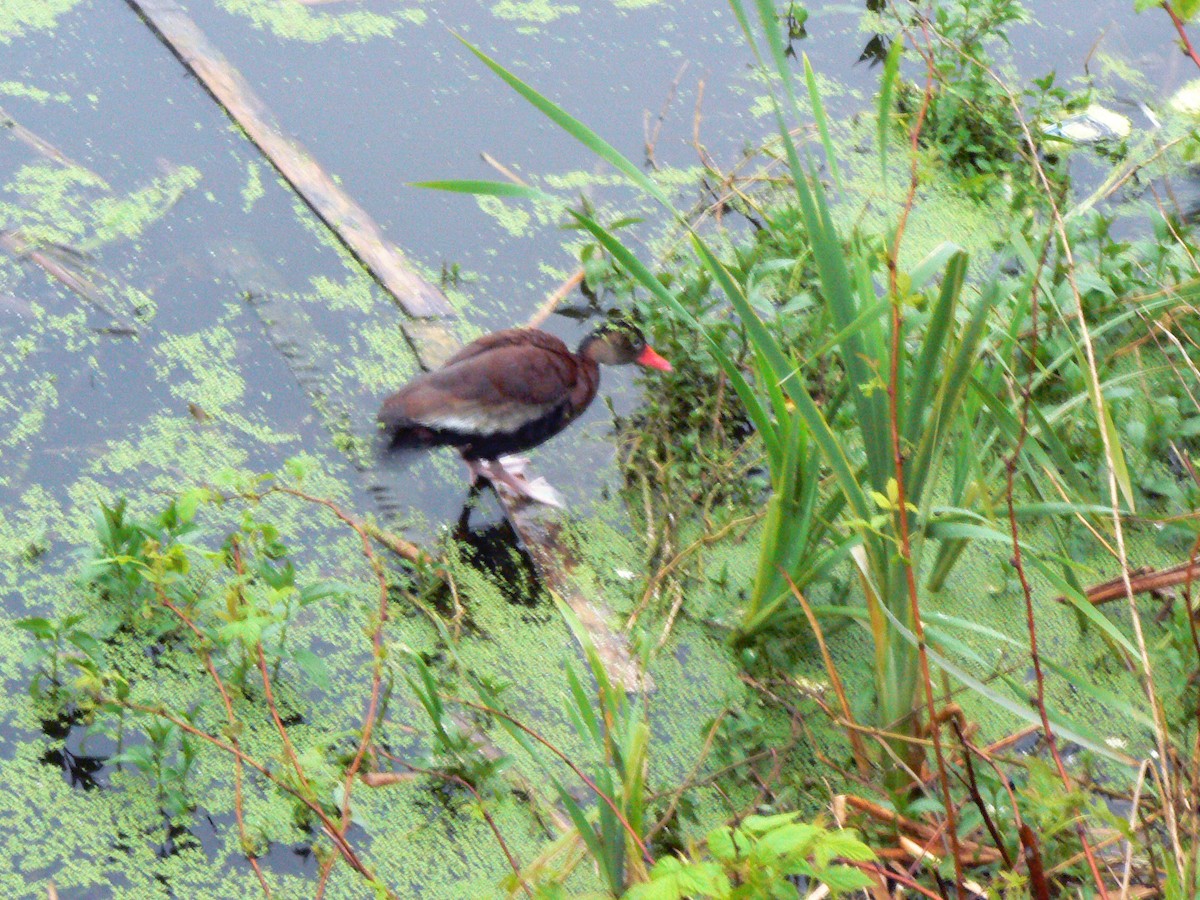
(958, 410)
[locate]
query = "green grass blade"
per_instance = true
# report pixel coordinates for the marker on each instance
(818, 111)
(1023, 711)
(488, 188)
(840, 296)
(1083, 605)
(769, 19)
(929, 363)
(755, 409)
(574, 127)
(891, 68)
(1120, 469)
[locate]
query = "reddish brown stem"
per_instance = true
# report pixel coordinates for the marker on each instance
(1033, 859)
(462, 782)
(898, 465)
(339, 840)
(364, 533)
(231, 720)
(608, 801)
(1018, 563)
(1183, 37)
(973, 788)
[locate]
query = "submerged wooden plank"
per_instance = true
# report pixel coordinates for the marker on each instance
(71, 269)
(534, 524)
(555, 566)
(349, 221)
(42, 146)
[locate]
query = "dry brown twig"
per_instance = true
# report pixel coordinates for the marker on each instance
(652, 133)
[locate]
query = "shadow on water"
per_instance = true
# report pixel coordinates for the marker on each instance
(81, 769)
(493, 547)
(489, 542)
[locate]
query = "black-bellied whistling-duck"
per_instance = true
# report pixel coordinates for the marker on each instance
(507, 392)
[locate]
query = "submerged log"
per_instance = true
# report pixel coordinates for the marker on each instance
(534, 525)
(69, 267)
(39, 144)
(344, 217)
(555, 566)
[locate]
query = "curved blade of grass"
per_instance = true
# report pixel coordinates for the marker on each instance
(1084, 606)
(1099, 694)
(624, 257)
(933, 263)
(573, 127)
(928, 364)
(1025, 712)
(489, 188)
(931, 439)
(1120, 469)
(891, 68)
(769, 19)
(869, 313)
(839, 293)
(1106, 697)
(950, 643)
(818, 111)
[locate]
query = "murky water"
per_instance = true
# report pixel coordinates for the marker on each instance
(256, 339)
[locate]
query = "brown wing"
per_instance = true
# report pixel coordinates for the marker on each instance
(509, 337)
(495, 384)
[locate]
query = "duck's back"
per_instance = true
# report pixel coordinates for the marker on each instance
(505, 392)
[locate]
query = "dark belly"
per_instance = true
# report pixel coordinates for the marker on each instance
(491, 446)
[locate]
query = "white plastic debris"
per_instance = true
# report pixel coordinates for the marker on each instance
(1094, 125)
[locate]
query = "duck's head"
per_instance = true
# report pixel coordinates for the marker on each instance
(618, 343)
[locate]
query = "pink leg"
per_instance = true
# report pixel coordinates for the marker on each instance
(512, 479)
(476, 469)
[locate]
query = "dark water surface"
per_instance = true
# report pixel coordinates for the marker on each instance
(240, 335)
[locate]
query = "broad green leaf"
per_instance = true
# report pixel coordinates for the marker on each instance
(845, 879)
(313, 666)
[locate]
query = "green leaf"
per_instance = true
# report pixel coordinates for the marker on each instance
(721, 844)
(818, 109)
(844, 879)
(1185, 9)
(794, 840)
(488, 188)
(891, 67)
(573, 127)
(313, 666)
(675, 879)
(844, 843)
(38, 627)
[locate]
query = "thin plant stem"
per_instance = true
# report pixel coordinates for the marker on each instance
(463, 783)
(334, 834)
(973, 789)
(608, 801)
(231, 720)
(860, 751)
(240, 568)
(898, 464)
(1183, 36)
